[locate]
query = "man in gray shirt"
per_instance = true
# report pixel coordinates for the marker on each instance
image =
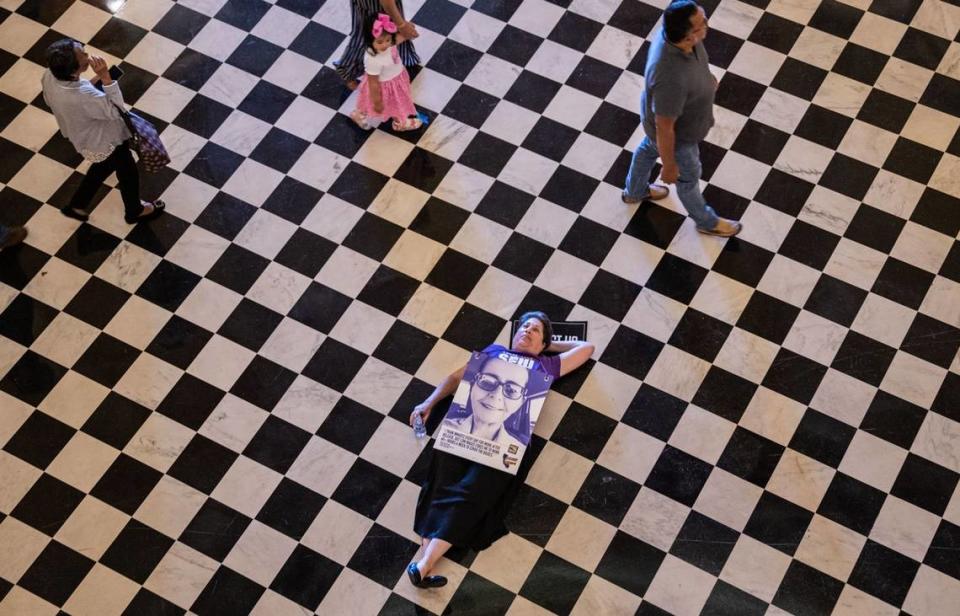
(677, 113)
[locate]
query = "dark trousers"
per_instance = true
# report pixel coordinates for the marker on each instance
(128, 177)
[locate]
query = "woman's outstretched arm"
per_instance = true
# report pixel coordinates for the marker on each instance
(572, 354)
(444, 389)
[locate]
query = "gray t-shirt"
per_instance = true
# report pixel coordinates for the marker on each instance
(677, 85)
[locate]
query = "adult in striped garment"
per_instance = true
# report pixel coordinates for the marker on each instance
(350, 65)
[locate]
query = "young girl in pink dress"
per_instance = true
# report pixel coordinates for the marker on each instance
(385, 89)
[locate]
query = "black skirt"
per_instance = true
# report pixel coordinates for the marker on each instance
(465, 502)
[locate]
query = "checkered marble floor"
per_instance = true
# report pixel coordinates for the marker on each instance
(205, 414)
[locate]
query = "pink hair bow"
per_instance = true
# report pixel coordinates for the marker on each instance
(382, 23)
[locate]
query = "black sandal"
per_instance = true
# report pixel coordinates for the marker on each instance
(69, 212)
(431, 581)
(158, 207)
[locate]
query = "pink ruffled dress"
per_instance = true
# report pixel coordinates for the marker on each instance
(394, 87)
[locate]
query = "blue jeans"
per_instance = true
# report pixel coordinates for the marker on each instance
(688, 182)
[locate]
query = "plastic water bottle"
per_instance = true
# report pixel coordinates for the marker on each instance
(419, 430)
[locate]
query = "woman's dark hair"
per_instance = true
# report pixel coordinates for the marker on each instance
(62, 59)
(545, 320)
(676, 19)
(368, 36)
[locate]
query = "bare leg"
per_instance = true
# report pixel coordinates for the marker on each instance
(434, 551)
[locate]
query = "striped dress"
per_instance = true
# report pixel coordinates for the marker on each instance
(350, 66)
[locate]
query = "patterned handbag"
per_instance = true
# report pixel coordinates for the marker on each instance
(146, 142)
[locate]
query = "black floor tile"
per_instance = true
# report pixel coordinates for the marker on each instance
(922, 48)
(473, 328)
(863, 358)
(883, 573)
(404, 347)
(885, 110)
(725, 394)
(515, 45)
(214, 529)
(504, 204)
(575, 31)
(126, 484)
(227, 592)
(279, 150)
(822, 438)
(532, 91)
(794, 376)
(454, 59)
(550, 138)
(583, 431)
(851, 503)
(809, 245)
(554, 583)
(569, 188)
(291, 200)
(860, 63)
(306, 577)
(268, 102)
(136, 551)
(214, 164)
(678, 475)
(610, 295)
(902, 283)
(255, 55)
(334, 364)
(373, 236)
(631, 352)
(806, 591)
(202, 464)
(778, 523)
(237, 268)
(925, 484)
(534, 515)
(116, 420)
(106, 360)
(366, 488)
(487, 154)
(606, 495)
(767, 317)
(56, 573)
(39, 439)
(704, 543)
(277, 444)
(225, 215)
(250, 324)
(32, 378)
(190, 401)
(676, 278)
(654, 412)
(25, 318)
(912, 160)
(350, 425)
(775, 32)
(291, 508)
(181, 24)
(422, 169)
(932, 340)
(179, 342)
(383, 556)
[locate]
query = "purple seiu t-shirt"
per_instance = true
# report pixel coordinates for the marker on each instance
(545, 363)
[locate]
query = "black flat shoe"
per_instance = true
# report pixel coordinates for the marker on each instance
(74, 214)
(431, 581)
(158, 207)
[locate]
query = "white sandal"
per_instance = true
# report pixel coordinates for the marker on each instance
(410, 123)
(360, 118)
